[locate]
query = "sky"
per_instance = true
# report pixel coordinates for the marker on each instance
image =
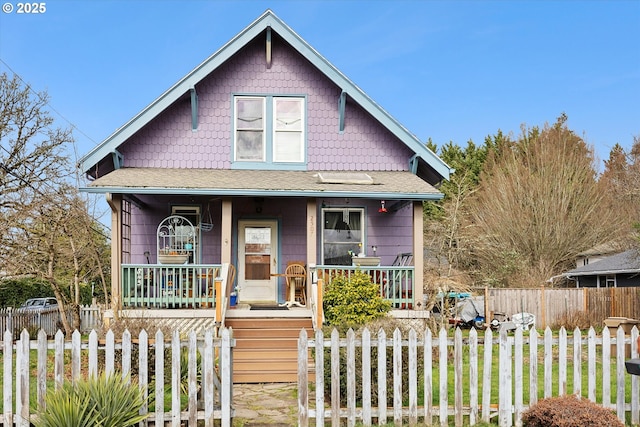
(447, 70)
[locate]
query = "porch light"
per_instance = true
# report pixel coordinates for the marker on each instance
(382, 208)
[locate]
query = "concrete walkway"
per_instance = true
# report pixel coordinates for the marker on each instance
(265, 405)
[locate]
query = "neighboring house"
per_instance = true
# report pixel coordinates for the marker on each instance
(615, 271)
(596, 254)
(263, 155)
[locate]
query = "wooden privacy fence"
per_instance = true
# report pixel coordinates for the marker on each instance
(550, 305)
(209, 380)
(468, 379)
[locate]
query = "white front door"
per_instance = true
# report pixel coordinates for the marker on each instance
(257, 247)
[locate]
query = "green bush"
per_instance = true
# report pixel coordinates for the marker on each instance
(105, 401)
(569, 411)
(353, 301)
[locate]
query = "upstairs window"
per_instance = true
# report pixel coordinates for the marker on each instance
(269, 129)
(249, 115)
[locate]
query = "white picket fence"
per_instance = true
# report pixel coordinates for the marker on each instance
(209, 395)
(557, 354)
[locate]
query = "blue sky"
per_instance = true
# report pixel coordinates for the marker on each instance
(447, 70)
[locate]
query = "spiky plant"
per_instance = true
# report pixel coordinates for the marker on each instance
(105, 401)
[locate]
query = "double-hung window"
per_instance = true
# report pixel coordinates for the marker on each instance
(342, 235)
(269, 129)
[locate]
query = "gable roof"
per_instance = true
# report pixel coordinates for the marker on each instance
(267, 20)
(625, 262)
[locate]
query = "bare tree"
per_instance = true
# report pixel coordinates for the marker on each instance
(537, 207)
(46, 230)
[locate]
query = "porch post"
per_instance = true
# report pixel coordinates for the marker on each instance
(418, 256)
(115, 203)
(225, 231)
(312, 235)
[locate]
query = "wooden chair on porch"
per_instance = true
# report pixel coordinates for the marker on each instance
(296, 276)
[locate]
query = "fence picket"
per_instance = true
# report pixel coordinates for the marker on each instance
(473, 376)
(457, 377)
(335, 377)
(606, 368)
(159, 391)
(620, 373)
(413, 378)
(193, 378)
(7, 390)
(143, 369)
(176, 351)
(635, 382)
(41, 376)
(428, 377)
(533, 366)
(319, 346)
(444, 381)
(366, 377)
(351, 378)
(397, 377)
(486, 375)
(577, 362)
(591, 364)
(18, 380)
(518, 376)
(548, 363)
(303, 379)
(562, 362)
(382, 377)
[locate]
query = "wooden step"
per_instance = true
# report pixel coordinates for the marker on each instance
(267, 348)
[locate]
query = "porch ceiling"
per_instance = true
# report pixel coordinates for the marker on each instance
(396, 185)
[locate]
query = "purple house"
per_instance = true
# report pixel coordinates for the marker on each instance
(265, 155)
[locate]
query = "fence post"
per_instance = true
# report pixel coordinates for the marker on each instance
(226, 365)
(319, 378)
(7, 385)
(303, 379)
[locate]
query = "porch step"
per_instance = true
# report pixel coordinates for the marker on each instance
(266, 348)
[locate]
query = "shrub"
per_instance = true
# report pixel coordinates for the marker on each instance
(569, 411)
(352, 301)
(106, 401)
(574, 319)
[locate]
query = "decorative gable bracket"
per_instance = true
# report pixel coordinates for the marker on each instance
(194, 109)
(342, 104)
(118, 159)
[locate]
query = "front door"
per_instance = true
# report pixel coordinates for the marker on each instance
(257, 247)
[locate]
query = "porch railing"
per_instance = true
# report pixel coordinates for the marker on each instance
(395, 283)
(169, 286)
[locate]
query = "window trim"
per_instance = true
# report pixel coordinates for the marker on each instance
(269, 132)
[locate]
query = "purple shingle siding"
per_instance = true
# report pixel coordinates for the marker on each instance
(169, 142)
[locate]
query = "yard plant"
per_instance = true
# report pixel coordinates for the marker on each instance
(353, 300)
(105, 401)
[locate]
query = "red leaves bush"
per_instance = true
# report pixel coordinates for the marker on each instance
(569, 411)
